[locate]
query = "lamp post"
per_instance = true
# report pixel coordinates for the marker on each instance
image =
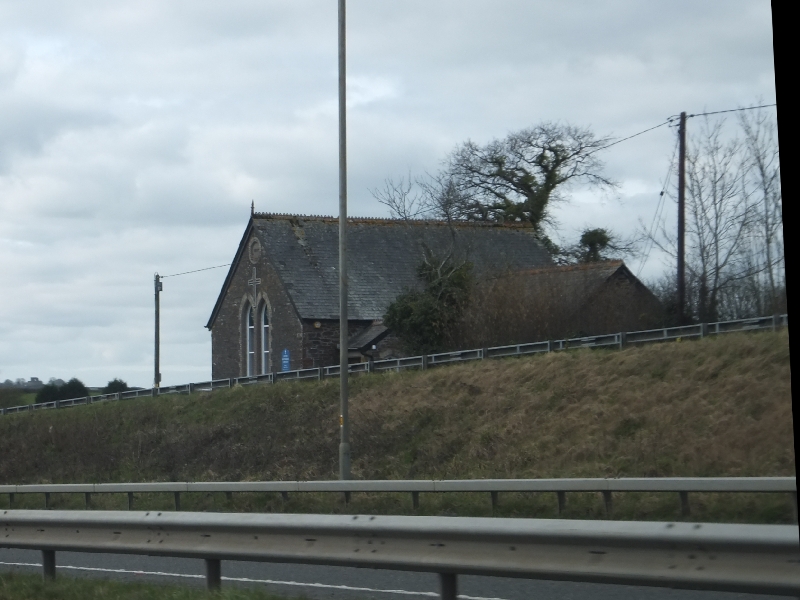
(344, 421)
(682, 221)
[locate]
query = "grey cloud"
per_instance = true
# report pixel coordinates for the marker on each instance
(27, 127)
(134, 136)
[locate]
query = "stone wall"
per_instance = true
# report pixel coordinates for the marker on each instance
(228, 341)
(309, 345)
(320, 343)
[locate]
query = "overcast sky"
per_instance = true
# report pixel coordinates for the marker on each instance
(134, 135)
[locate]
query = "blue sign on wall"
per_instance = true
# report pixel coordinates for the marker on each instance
(285, 360)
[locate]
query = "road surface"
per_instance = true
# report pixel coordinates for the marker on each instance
(336, 583)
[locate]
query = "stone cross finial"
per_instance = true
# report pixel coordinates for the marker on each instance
(254, 282)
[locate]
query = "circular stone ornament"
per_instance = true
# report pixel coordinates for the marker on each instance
(254, 251)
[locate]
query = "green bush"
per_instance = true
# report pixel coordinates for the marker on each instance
(116, 385)
(74, 388)
(424, 320)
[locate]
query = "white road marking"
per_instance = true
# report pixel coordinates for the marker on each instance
(326, 586)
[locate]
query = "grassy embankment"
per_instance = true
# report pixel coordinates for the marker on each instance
(714, 407)
(15, 586)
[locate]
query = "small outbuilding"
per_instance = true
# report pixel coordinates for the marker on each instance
(559, 302)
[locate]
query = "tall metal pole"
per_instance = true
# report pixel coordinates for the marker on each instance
(344, 422)
(157, 373)
(682, 220)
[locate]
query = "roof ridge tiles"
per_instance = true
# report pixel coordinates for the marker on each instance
(387, 220)
(603, 264)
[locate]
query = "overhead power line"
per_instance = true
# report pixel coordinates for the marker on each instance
(719, 112)
(633, 136)
(196, 270)
(669, 121)
(673, 118)
(649, 242)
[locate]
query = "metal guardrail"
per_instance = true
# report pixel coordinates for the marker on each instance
(760, 559)
(614, 340)
(680, 485)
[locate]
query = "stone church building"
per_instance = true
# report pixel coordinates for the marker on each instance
(278, 309)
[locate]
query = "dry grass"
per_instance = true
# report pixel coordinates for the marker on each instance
(714, 407)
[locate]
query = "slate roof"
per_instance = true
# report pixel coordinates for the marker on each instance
(383, 257)
(364, 339)
(576, 282)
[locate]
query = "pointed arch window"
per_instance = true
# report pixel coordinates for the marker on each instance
(264, 339)
(251, 342)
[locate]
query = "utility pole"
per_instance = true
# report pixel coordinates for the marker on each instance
(158, 288)
(344, 421)
(682, 220)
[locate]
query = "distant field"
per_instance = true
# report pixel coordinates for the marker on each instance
(720, 406)
(13, 397)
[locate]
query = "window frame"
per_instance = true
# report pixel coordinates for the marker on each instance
(265, 325)
(250, 341)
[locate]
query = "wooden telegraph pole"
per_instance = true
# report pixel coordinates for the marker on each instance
(344, 421)
(682, 220)
(157, 374)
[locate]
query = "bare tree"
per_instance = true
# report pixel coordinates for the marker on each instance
(517, 178)
(764, 179)
(734, 224)
(719, 216)
(403, 200)
(443, 197)
(512, 179)
(427, 197)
